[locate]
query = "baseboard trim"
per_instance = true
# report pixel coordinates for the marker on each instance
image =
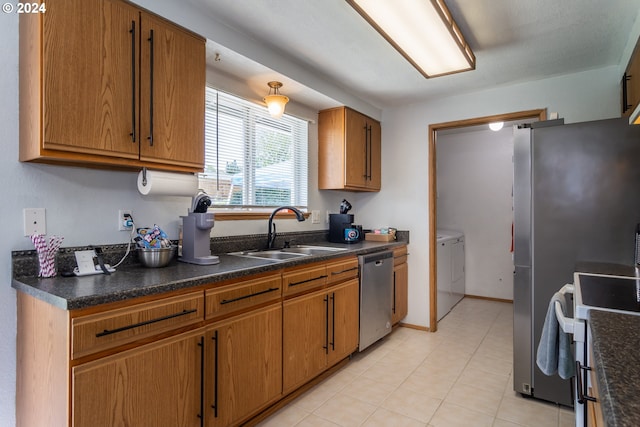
(410, 326)
(510, 301)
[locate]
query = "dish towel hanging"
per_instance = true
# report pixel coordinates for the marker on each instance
(554, 350)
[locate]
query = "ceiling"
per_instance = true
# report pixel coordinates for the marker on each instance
(513, 41)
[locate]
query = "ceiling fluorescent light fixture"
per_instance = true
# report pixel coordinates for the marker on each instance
(423, 31)
(275, 101)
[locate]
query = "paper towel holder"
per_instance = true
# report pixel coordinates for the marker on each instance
(166, 183)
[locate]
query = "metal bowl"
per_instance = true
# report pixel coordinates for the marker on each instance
(156, 257)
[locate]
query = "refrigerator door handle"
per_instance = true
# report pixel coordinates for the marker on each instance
(568, 324)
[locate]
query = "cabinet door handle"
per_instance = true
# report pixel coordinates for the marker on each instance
(265, 291)
(150, 137)
(324, 276)
(343, 271)
(146, 322)
(366, 153)
(326, 325)
(133, 81)
(201, 414)
(581, 387)
(333, 321)
(215, 374)
(625, 94)
(369, 150)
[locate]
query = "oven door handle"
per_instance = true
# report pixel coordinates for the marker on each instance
(568, 324)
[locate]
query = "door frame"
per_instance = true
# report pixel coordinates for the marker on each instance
(540, 114)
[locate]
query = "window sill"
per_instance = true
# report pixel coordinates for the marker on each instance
(243, 216)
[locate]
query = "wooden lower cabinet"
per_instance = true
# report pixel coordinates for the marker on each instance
(154, 385)
(319, 330)
(400, 293)
(216, 369)
(594, 409)
(400, 306)
(243, 366)
(222, 373)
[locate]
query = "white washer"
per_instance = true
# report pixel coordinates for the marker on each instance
(451, 275)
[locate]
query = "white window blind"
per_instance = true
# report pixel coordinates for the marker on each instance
(251, 159)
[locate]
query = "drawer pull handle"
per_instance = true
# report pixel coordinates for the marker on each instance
(324, 276)
(266, 291)
(147, 322)
(344, 271)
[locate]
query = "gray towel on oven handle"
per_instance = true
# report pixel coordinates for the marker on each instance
(554, 350)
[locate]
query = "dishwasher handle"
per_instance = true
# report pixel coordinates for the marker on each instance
(377, 257)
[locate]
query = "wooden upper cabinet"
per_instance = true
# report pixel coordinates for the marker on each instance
(87, 98)
(172, 79)
(349, 151)
(85, 94)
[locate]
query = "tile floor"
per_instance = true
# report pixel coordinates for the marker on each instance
(458, 376)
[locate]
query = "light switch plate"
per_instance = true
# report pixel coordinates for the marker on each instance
(34, 221)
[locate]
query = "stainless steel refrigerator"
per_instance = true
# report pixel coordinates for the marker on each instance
(576, 198)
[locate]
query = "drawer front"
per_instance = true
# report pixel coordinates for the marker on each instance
(304, 279)
(102, 331)
(342, 270)
(400, 255)
(240, 296)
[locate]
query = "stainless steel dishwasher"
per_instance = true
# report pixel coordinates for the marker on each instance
(376, 295)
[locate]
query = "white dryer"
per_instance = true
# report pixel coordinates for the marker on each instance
(451, 276)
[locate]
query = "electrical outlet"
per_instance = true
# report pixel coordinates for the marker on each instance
(315, 217)
(124, 223)
(34, 220)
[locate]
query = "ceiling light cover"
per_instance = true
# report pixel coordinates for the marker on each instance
(423, 31)
(496, 126)
(275, 101)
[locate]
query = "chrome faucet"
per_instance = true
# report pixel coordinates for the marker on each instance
(271, 235)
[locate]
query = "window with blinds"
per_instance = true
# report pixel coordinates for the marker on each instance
(251, 159)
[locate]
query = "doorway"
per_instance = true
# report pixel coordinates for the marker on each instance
(539, 114)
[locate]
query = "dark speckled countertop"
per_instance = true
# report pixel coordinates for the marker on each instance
(133, 280)
(616, 352)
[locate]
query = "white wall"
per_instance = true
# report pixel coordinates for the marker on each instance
(11, 192)
(475, 181)
(403, 201)
(82, 204)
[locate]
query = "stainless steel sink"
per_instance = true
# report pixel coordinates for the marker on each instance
(297, 251)
(311, 250)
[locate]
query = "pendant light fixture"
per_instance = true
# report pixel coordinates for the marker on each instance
(275, 101)
(423, 31)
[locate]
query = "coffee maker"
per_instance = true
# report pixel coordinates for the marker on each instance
(195, 237)
(341, 227)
